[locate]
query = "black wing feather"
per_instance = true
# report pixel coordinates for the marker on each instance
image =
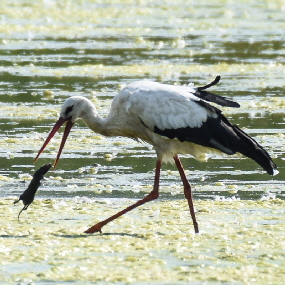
(210, 97)
(220, 134)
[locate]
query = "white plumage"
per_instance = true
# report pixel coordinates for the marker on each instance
(165, 106)
(174, 119)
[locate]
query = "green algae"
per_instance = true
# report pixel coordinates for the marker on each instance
(240, 242)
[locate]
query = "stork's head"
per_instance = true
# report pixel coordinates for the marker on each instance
(72, 109)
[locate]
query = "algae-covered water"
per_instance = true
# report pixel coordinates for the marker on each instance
(241, 242)
(50, 50)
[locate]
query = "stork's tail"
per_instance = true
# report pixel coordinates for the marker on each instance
(250, 148)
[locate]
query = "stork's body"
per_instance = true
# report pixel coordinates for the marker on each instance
(174, 119)
(142, 108)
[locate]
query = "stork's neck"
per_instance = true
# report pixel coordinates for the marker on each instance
(96, 123)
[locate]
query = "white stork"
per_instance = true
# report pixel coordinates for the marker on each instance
(174, 120)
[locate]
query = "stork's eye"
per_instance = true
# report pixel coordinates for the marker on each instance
(69, 109)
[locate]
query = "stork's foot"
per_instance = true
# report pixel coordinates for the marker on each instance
(94, 229)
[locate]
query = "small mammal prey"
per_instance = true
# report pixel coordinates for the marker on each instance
(29, 194)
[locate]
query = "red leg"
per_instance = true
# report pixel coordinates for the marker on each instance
(187, 191)
(151, 196)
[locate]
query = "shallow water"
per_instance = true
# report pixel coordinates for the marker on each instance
(51, 50)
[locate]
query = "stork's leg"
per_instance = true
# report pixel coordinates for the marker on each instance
(151, 196)
(187, 191)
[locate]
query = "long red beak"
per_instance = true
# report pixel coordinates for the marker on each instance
(56, 127)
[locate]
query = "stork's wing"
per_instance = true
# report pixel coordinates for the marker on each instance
(176, 114)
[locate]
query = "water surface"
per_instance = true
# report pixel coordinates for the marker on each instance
(51, 50)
